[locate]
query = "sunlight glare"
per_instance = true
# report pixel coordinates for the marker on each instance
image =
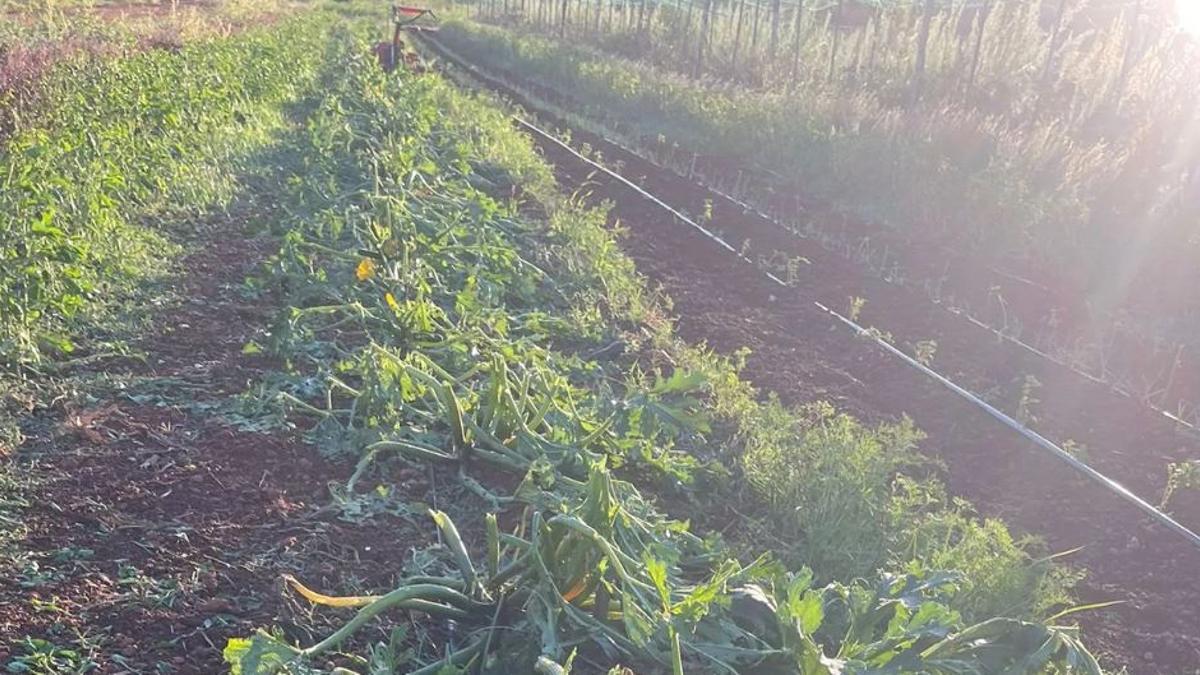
(1188, 12)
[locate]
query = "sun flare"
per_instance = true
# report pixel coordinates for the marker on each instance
(1188, 12)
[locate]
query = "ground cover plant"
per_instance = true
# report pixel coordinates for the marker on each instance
(448, 307)
(37, 34)
(91, 161)
(1039, 144)
(93, 158)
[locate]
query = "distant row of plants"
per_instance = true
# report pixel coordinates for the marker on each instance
(35, 35)
(1048, 174)
(1059, 80)
(108, 143)
(447, 305)
(1091, 64)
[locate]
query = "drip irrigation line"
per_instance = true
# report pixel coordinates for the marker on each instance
(1037, 439)
(1008, 420)
(767, 217)
(1001, 335)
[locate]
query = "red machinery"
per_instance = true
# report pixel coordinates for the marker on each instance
(403, 18)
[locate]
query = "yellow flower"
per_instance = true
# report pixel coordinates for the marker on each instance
(365, 269)
(391, 302)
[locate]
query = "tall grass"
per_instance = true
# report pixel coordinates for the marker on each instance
(1053, 147)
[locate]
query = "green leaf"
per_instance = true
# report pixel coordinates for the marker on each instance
(680, 382)
(809, 612)
(259, 655)
(657, 570)
(455, 543)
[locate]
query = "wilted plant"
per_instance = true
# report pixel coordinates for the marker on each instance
(432, 323)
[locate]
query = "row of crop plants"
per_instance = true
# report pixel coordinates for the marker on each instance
(447, 305)
(37, 35)
(1006, 54)
(101, 153)
(998, 77)
(1059, 165)
(108, 144)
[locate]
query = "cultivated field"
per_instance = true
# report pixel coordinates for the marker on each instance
(528, 356)
(1039, 174)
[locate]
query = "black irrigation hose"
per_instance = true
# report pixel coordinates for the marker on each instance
(1031, 435)
(1116, 388)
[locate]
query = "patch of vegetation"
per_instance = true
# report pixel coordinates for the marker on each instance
(42, 657)
(111, 143)
(109, 162)
(1044, 163)
(447, 306)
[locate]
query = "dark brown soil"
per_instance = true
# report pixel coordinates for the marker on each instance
(159, 529)
(801, 353)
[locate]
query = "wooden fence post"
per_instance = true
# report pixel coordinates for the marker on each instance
(705, 26)
(1053, 46)
(877, 19)
(856, 58)
(687, 23)
(737, 36)
(754, 33)
(835, 21)
(775, 19)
